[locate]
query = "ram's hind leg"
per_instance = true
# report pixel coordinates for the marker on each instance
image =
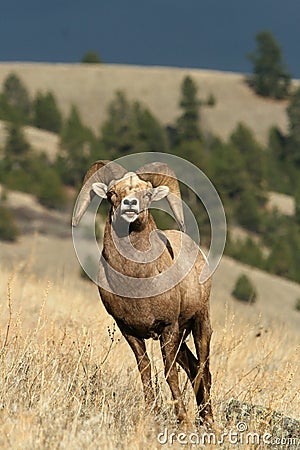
(188, 362)
(202, 383)
(144, 366)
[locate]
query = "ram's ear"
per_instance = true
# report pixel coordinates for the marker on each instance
(100, 189)
(159, 192)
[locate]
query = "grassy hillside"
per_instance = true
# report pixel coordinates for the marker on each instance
(69, 379)
(91, 88)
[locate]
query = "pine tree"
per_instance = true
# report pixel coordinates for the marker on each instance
(50, 191)
(46, 114)
(17, 148)
(293, 139)
(297, 204)
(188, 123)
(91, 57)
(277, 144)
(14, 167)
(77, 141)
(254, 159)
(270, 76)
(15, 104)
(130, 127)
(151, 135)
(119, 131)
(280, 260)
(247, 211)
(227, 171)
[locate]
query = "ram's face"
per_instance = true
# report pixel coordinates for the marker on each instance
(130, 197)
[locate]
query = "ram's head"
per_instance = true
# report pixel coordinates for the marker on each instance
(130, 193)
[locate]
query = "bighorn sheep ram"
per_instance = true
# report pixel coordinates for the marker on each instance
(171, 313)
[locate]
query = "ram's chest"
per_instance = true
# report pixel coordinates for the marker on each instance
(131, 266)
(141, 317)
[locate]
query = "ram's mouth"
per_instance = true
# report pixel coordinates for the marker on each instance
(130, 214)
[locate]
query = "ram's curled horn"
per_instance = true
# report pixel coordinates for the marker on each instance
(160, 174)
(109, 171)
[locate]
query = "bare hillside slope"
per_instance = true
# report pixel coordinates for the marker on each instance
(92, 87)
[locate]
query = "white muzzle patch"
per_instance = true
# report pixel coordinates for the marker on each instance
(129, 208)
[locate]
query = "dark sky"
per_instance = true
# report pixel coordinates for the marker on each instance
(214, 34)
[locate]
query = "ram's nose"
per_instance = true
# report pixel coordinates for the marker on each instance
(128, 202)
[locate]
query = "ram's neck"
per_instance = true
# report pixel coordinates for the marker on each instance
(139, 233)
(143, 253)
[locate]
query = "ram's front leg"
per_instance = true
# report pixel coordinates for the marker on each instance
(170, 342)
(144, 366)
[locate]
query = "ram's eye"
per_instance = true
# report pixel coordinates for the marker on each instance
(148, 195)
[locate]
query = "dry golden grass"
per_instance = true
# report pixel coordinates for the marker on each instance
(69, 380)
